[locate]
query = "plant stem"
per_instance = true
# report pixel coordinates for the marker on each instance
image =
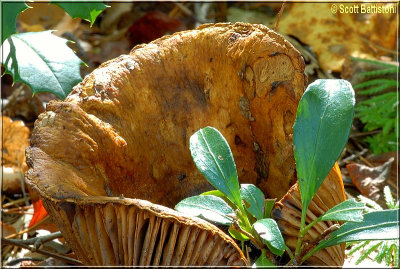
(245, 219)
(237, 227)
(289, 252)
(301, 231)
(310, 225)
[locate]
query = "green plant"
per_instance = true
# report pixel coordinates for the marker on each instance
(385, 250)
(40, 59)
(380, 111)
(322, 127)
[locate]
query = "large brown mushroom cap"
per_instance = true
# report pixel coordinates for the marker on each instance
(125, 128)
(124, 132)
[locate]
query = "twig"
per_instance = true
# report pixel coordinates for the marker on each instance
(279, 16)
(184, 9)
(39, 240)
(366, 161)
(18, 260)
(29, 229)
(19, 243)
(352, 157)
(365, 133)
(14, 202)
(394, 52)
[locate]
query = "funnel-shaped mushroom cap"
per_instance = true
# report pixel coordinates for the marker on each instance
(124, 131)
(123, 231)
(287, 213)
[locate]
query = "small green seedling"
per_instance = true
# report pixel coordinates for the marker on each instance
(320, 133)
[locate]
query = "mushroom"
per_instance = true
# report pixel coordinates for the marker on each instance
(287, 213)
(124, 133)
(124, 231)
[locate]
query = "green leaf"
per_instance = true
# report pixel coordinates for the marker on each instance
(220, 195)
(214, 159)
(270, 234)
(263, 261)
(268, 206)
(382, 251)
(377, 225)
(43, 61)
(368, 251)
(87, 11)
(208, 207)
(237, 235)
(369, 203)
(9, 14)
(349, 210)
(320, 132)
(255, 198)
(389, 197)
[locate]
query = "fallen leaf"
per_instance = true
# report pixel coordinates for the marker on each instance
(381, 159)
(334, 36)
(370, 181)
(14, 140)
(67, 24)
(153, 25)
(7, 230)
(39, 213)
(42, 16)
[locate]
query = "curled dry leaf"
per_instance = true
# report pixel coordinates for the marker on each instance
(287, 213)
(334, 36)
(14, 140)
(370, 181)
(124, 131)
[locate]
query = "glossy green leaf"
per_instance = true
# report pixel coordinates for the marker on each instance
(220, 195)
(207, 207)
(254, 197)
(349, 210)
(263, 261)
(376, 225)
(320, 132)
(268, 206)
(214, 159)
(43, 61)
(87, 11)
(9, 14)
(270, 235)
(237, 235)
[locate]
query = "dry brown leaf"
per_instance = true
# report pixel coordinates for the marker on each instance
(67, 24)
(335, 36)
(42, 16)
(14, 140)
(370, 181)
